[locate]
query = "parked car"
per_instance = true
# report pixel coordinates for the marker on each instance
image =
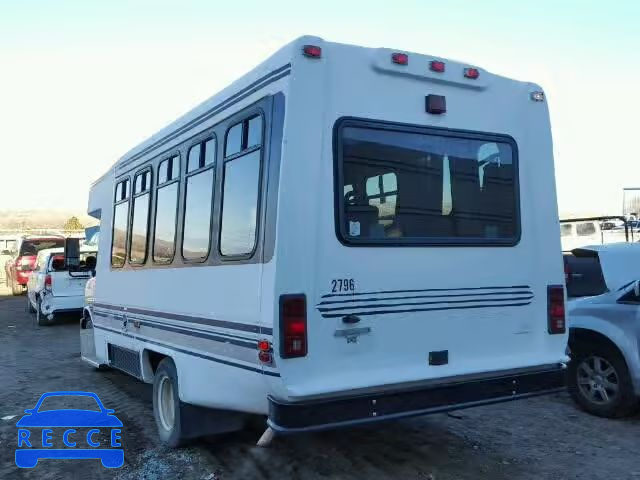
(604, 327)
(19, 267)
(54, 288)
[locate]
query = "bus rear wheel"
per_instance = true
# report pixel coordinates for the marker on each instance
(166, 404)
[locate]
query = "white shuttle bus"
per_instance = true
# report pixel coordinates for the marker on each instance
(343, 235)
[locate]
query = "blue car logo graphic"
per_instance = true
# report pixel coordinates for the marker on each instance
(29, 442)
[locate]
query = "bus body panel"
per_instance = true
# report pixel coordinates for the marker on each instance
(312, 260)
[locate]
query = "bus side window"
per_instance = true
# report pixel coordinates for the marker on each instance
(120, 224)
(140, 208)
(241, 186)
(198, 205)
(164, 232)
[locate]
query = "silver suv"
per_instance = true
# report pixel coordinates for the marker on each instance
(603, 290)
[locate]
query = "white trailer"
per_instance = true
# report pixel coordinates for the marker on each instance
(341, 236)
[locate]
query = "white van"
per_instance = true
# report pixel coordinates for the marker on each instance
(343, 235)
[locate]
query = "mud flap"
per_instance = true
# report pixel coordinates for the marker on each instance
(199, 421)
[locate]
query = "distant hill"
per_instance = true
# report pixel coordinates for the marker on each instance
(41, 218)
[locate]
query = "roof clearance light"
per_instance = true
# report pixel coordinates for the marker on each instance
(537, 96)
(436, 66)
(312, 51)
(400, 58)
(471, 73)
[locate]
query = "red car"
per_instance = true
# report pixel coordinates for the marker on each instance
(18, 268)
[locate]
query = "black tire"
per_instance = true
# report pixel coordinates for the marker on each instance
(167, 414)
(30, 308)
(620, 401)
(41, 319)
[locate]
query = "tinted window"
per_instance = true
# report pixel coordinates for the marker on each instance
(193, 161)
(197, 216)
(122, 190)
(240, 204)
(168, 170)
(584, 229)
(32, 247)
(120, 224)
(165, 228)
(405, 186)
(583, 275)
(139, 229)
(209, 152)
(234, 140)
(254, 135)
(566, 230)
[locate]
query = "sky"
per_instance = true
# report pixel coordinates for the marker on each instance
(84, 81)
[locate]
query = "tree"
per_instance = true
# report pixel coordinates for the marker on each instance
(73, 224)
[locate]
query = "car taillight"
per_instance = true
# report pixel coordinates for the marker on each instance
(555, 309)
(293, 326)
(23, 263)
(47, 282)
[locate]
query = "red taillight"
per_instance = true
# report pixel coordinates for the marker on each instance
(312, 51)
(264, 351)
(555, 309)
(471, 73)
(47, 282)
(436, 66)
(400, 58)
(293, 326)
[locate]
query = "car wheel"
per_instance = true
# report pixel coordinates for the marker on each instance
(599, 381)
(30, 308)
(166, 404)
(41, 319)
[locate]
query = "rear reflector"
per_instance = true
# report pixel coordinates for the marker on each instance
(555, 310)
(293, 326)
(471, 73)
(312, 51)
(436, 66)
(435, 104)
(400, 58)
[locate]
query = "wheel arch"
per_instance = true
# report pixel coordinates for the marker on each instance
(614, 339)
(150, 361)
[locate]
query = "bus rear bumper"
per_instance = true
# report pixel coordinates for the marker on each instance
(294, 417)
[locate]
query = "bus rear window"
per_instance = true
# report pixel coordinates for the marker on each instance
(406, 185)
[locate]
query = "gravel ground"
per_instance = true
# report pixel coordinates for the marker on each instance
(542, 438)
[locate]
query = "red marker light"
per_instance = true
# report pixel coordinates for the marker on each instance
(400, 58)
(312, 51)
(555, 309)
(264, 345)
(471, 73)
(265, 357)
(436, 66)
(293, 326)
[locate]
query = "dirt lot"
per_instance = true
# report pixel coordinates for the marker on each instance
(543, 438)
